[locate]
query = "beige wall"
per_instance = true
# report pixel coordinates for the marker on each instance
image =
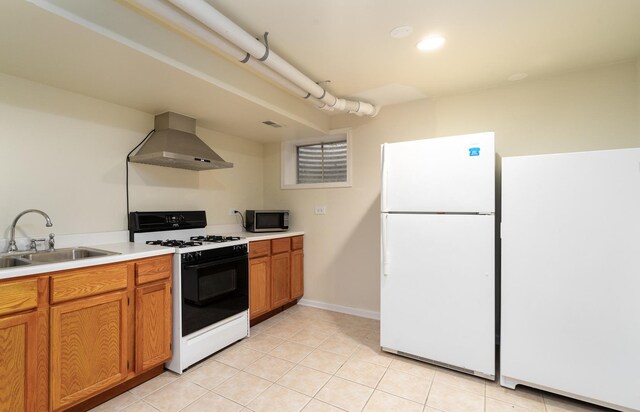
(65, 153)
(595, 109)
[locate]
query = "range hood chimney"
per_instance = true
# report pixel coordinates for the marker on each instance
(174, 144)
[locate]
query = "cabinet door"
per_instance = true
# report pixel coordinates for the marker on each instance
(297, 274)
(153, 325)
(88, 347)
(259, 286)
(18, 352)
(280, 279)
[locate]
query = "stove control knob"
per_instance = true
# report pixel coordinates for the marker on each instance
(198, 254)
(188, 257)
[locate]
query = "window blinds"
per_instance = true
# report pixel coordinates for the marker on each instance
(322, 162)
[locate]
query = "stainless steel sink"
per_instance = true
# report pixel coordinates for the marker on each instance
(64, 255)
(11, 261)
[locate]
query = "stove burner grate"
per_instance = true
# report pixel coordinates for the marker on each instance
(174, 243)
(215, 238)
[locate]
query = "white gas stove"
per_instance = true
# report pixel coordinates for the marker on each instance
(210, 283)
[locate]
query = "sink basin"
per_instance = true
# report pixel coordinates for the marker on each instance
(10, 262)
(63, 255)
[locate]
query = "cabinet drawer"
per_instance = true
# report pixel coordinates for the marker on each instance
(152, 269)
(87, 282)
(280, 245)
(297, 242)
(259, 248)
(16, 296)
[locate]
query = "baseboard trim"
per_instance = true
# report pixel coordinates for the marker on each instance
(339, 308)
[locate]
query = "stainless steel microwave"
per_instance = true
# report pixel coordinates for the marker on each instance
(267, 220)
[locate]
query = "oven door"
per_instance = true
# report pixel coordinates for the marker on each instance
(213, 291)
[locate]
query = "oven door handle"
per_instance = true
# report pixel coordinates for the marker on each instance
(216, 262)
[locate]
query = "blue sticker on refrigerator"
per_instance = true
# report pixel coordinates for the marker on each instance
(474, 151)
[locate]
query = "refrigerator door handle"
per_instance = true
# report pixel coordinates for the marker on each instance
(386, 258)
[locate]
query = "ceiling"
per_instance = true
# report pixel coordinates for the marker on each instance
(348, 42)
(107, 50)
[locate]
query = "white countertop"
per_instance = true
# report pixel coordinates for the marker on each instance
(237, 230)
(251, 237)
(125, 250)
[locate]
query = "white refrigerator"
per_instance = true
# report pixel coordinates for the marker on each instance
(438, 251)
(571, 275)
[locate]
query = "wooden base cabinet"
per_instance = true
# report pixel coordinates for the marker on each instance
(259, 286)
(18, 353)
(153, 325)
(68, 336)
(280, 279)
(152, 312)
(23, 352)
(276, 274)
(88, 347)
(297, 267)
(297, 271)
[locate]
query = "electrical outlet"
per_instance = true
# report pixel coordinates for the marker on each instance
(232, 211)
(320, 210)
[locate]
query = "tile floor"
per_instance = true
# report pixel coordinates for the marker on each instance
(307, 359)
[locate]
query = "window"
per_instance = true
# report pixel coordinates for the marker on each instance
(322, 162)
(317, 163)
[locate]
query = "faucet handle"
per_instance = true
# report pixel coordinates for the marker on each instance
(52, 242)
(33, 244)
(12, 246)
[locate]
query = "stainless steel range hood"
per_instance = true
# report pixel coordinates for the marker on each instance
(174, 144)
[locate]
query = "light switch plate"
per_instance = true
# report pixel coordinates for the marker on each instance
(320, 210)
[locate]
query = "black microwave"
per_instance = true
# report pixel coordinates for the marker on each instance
(267, 220)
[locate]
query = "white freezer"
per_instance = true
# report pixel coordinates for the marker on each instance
(438, 289)
(448, 174)
(571, 275)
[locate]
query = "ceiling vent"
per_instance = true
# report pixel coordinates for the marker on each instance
(272, 124)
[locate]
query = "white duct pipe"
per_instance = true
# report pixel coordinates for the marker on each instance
(166, 12)
(216, 21)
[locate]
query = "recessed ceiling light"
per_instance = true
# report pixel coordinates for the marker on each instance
(400, 32)
(430, 43)
(517, 76)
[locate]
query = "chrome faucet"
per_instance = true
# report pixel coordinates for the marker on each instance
(12, 241)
